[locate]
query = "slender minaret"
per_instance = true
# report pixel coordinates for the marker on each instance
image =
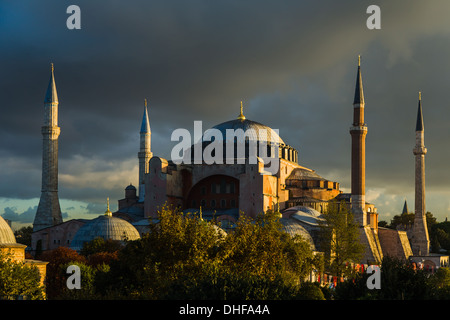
(358, 132)
(420, 241)
(49, 212)
(145, 153)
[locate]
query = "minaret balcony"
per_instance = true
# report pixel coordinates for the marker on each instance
(419, 150)
(359, 128)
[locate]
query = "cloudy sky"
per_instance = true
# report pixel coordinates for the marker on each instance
(293, 63)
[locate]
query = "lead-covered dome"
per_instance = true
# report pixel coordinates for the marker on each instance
(247, 136)
(6, 233)
(107, 227)
(256, 131)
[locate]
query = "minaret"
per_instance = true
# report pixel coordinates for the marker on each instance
(358, 132)
(145, 153)
(49, 212)
(420, 241)
(405, 208)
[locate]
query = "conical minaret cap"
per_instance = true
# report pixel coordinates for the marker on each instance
(145, 127)
(419, 123)
(51, 95)
(359, 94)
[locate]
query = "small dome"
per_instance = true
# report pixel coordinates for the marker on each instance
(107, 227)
(130, 187)
(6, 234)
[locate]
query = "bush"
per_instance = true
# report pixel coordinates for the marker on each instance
(18, 280)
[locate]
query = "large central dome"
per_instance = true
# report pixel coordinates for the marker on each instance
(243, 133)
(255, 130)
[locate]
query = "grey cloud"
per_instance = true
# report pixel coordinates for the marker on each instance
(292, 62)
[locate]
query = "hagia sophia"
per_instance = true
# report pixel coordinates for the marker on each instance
(225, 191)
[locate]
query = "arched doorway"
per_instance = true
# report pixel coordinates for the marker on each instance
(217, 192)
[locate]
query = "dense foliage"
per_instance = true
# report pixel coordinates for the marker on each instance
(18, 280)
(185, 257)
(339, 239)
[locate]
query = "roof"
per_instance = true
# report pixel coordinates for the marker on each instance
(106, 227)
(293, 228)
(6, 233)
(304, 214)
(130, 187)
(259, 131)
(304, 174)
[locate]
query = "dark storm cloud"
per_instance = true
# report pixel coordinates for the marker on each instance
(293, 63)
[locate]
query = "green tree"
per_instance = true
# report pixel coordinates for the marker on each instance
(184, 257)
(399, 281)
(340, 238)
(98, 245)
(55, 281)
(87, 281)
(19, 279)
(23, 235)
(261, 247)
(440, 284)
(406, 220)
(177, 247)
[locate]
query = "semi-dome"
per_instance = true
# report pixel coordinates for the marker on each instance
(6, 233)
(293, 228)
(304, 214)
(107, 227)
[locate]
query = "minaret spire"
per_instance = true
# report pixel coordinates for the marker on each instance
(108, 212)
(359, 92)
(144, 153)
(419, 122)
(405, 208)
(241, 115)
(49, 212)
(420, 241)
(358, 132)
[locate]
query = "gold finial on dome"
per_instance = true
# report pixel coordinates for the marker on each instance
(145, 102)
(241, 115)
(359, 60)
(53, 67)
(108, 212)
(420, 95)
